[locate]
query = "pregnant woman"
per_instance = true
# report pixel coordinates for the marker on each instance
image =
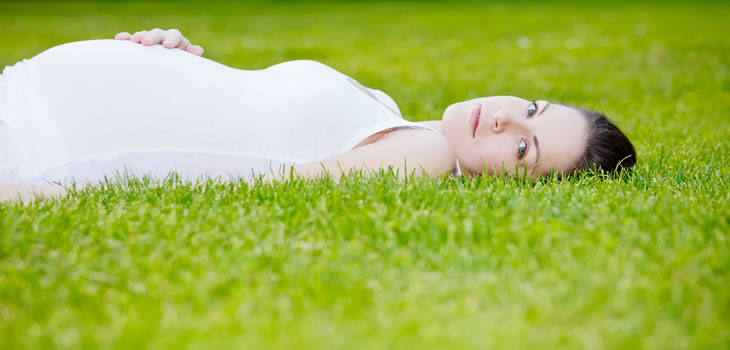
(148, 104)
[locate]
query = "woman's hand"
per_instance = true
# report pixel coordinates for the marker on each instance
(27, 193)
(168, 38)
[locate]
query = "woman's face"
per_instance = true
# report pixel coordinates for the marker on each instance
(502, 132)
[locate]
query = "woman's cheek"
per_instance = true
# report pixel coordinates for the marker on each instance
(495, 160)
(481, 160)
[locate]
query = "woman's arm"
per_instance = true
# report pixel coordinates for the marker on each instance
(27, 193)
(170, 39)
(406, 151)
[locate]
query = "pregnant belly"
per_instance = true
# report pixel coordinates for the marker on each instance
(85, 101)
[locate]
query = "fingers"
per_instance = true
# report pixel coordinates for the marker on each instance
(177, 40)
(138, 36)
(195, 49)
(168, 38)
(171, 40)
(123, 36)
(153, 37)
(184, 43)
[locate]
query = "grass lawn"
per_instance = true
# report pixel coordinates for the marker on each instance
(639, 262)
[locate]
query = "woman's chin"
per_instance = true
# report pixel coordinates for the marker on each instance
(450, 120)
(447, 113)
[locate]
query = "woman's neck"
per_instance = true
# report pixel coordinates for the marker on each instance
(434, 124)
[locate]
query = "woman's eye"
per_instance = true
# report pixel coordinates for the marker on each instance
(532, 109)
(522, 149)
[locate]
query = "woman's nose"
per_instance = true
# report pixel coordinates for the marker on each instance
(501, 122)
(504, 120)
(498, 125)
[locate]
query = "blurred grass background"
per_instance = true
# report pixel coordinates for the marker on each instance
(640, 263)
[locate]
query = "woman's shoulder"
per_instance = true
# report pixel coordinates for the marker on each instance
(425, 134)
(420, 143)
(407, 151)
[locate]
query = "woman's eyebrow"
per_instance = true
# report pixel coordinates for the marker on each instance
(537, 149)
(544, 108)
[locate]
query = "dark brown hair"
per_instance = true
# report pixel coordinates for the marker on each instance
(607, 148)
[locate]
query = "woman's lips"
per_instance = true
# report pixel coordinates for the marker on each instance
(475, 116)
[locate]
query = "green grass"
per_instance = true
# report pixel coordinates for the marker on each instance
(639, 262)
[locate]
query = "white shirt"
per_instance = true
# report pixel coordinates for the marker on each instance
(85, 110)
